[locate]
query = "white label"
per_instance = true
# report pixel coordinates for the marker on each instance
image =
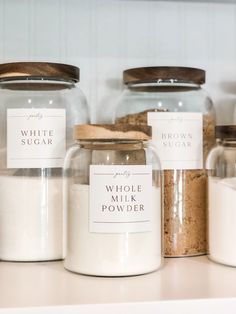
(178, 137)
(36, 138)
(120, 198)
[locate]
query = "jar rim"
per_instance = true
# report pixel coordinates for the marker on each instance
(43, 70)
(112, 132)
(162, 73)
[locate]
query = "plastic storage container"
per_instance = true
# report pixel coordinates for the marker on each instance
(113, 184)
(172, 101)
(39, 104)
(221, 197)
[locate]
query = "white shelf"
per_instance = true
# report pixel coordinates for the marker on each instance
(183, 285)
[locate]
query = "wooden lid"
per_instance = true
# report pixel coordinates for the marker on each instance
(112, 131)
(225, 131)
(153, 74)
(39, 70)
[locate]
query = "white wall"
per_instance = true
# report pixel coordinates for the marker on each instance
(103, 37)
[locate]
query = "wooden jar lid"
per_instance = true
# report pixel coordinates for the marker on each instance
(225, 132)
(40, 70)
(112, 132)
(153, 74)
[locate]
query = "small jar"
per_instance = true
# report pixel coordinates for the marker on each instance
(172, 101)
(39, 104)
(221, 197)
(113, 192)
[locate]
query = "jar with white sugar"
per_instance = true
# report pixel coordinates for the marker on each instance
(39, 104)
(113, 200)
(221, 165)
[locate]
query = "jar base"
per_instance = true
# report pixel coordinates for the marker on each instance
(221, 261)
(30, 260)
(186, 255)
(81, 271)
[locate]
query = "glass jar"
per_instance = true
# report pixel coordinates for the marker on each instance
(39, 104)
(113, 197)
(172, 101)
(221, 197)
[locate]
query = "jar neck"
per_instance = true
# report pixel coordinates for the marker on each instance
(228, 142)
(35, 83)
(113, 144)
(164, 85)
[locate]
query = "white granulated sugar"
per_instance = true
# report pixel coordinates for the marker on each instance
(30, 218)
(222, 220)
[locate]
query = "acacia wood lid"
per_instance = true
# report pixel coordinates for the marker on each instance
(153, 74)
(225, 131)
(39, 69)
(112, 131)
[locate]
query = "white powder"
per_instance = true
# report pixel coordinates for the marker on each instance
(30, 218)
(110, 254)
(222, 220)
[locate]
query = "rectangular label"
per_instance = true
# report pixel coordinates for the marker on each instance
(178, 137)
(120, 198)
(36, 138)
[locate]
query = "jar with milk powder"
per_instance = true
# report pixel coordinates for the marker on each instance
(39, 104)
(221, 163)
(113, 197)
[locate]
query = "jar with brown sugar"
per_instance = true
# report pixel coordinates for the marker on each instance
(172, 101)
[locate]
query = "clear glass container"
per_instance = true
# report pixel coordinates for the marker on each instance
(113, 202)
(221, 163)
(39, 104)
(172, 101)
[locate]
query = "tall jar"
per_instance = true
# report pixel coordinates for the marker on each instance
(221, 197)
(113, 192)
(172, 101)
(39, 104)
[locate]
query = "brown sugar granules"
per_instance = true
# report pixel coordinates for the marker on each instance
(184, 212)
(184, 198)
(139, 118)
(185, 204)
